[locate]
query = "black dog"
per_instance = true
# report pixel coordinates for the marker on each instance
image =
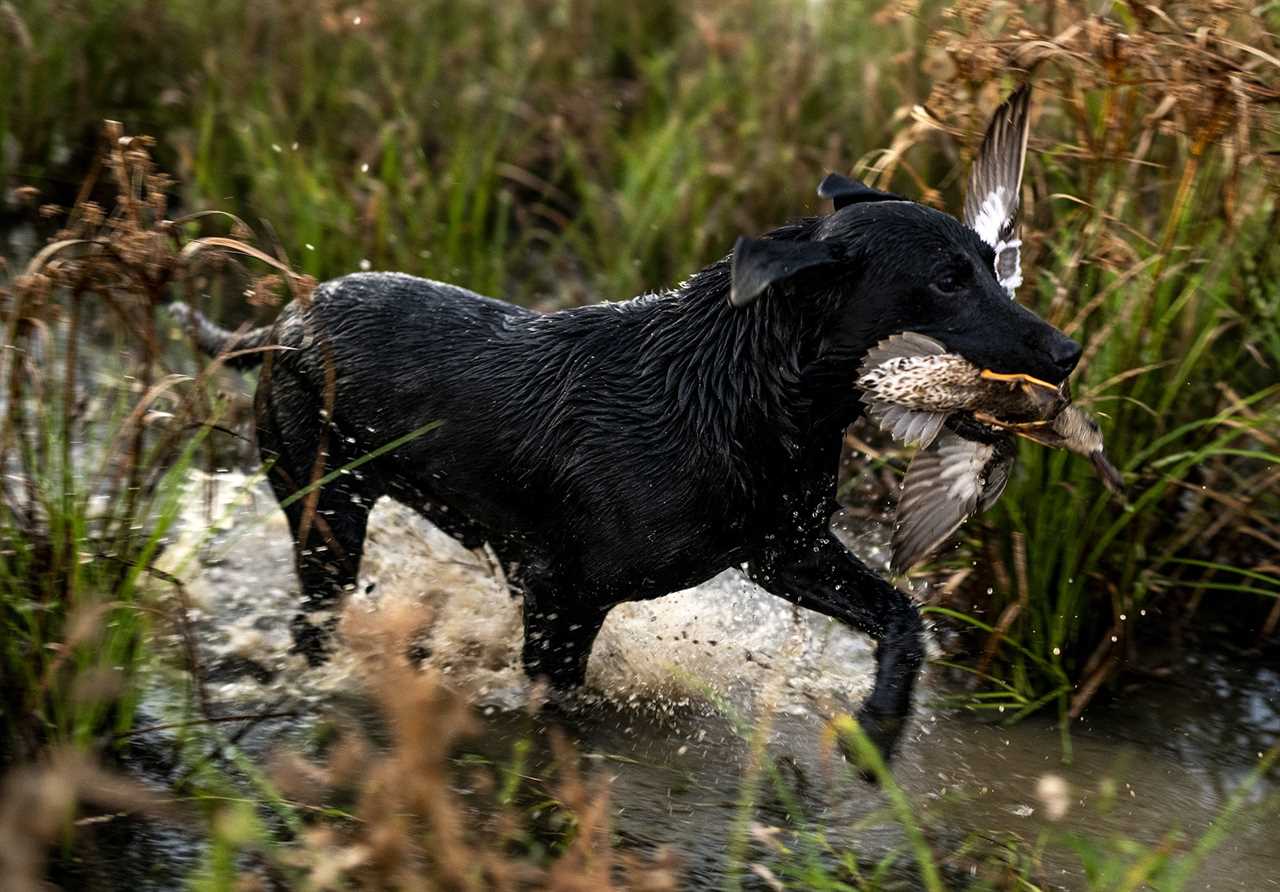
(626, 450)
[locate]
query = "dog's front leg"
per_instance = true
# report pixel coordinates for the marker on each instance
(819, 573)
(558, 639)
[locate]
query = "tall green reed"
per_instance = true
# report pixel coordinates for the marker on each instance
(97, 434)
(560, 152)
(548, 152)
(1152, 203)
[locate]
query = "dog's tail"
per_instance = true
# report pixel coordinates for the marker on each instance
(238, 349)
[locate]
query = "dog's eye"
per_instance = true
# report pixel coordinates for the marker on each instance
(950, 282)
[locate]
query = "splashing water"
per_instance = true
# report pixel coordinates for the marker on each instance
(669, 678)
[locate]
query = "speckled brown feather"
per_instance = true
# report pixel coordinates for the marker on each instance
(911, 385)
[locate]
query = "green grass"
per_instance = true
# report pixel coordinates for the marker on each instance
(566, 151)
(554, 151)
(1161, 275)
(74, 626)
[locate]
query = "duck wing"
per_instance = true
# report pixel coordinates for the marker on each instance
(995, 181)
(905, 345)
(944, 487)
(910, 426)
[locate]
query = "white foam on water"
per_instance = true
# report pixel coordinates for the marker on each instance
(725, 638)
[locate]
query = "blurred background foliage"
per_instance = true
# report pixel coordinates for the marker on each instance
(555, 152)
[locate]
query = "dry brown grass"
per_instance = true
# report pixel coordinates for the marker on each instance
(1153, 171)
(42, 802)
(90, 465)
(408, 827)
(374, 816)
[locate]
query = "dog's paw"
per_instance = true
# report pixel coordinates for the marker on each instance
(882, 732)
(314, 641)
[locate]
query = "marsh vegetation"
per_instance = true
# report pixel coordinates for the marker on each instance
(558, 153)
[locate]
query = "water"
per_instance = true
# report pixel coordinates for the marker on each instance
(667, 677)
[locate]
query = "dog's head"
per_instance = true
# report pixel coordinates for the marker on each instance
(881, 264)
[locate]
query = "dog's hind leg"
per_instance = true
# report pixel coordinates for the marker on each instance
(818, 572)
(327, 523)
(328, 542)
(300, 445)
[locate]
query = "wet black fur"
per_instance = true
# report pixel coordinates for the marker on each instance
(623, 451)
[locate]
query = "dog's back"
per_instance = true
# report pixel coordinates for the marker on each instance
(555, 427)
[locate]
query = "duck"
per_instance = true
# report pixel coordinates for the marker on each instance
(910, 385)
(913, 389)
(962, 475)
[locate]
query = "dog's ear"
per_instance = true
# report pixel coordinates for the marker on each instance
(761, 263)
(844, 191)
(995, 184)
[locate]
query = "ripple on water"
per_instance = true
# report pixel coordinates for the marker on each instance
(669, 675)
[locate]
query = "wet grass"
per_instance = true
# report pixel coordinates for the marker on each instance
(561, 152)
(549, 152)
(558, 153)
(1151, 242)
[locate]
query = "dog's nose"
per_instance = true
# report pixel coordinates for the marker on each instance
(1065, 353)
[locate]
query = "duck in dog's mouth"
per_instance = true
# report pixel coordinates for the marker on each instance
(912, 388)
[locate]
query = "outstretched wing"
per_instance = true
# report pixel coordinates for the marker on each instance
(945, 486)
(995, 181)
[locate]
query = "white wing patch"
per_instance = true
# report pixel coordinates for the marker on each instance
(1009, 265)
(992, 220)
(992, 215)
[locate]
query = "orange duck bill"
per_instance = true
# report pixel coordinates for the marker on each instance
(1016, 378)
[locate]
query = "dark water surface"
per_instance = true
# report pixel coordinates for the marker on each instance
(671, 676)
